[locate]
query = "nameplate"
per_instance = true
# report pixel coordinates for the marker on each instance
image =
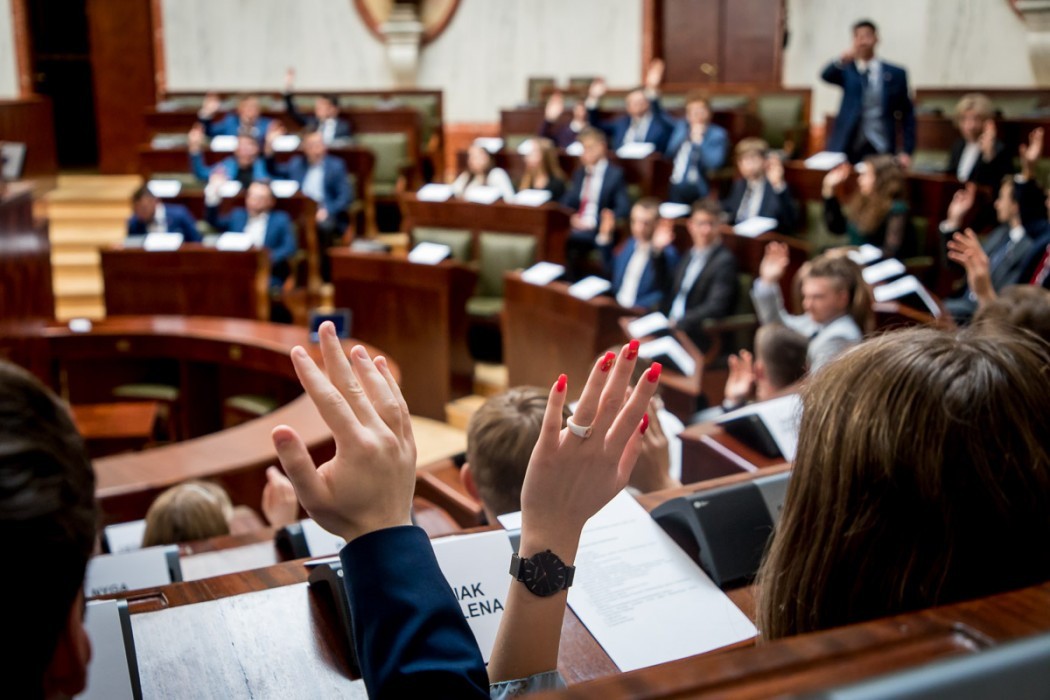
(229, 188)
(647, 325)
(635, 151)
(882, 271)
(320, 542)
(905, 286)
(112, 673)
(674, 210)
(124, 537)
(825, 160)
(543, 273)
(283, 189)
(574, 149)
(669, 348)
(865, 255)
(482, 194)
(780, 416)
(160, 242)
(223, 144)
(660, 606)
(755, 226)
(434, 192)
(532, 198)
(476, 567)
(491, 144)
(285, 143)
(427, 253)
(234, 241)
(589, 287)
(163, 189)
(145, 568)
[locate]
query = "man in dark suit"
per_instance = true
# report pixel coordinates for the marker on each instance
(641, 270)
(642, 123)
(325, 118)
(598, 197)
(246, 120)
(705, 284)
(875, 100)
(149, 215)
(322, 178)
(268, 228)
(563, 134)
(245, 165)
(761, 189)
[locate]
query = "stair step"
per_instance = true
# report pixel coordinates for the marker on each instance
(75, 257)
(66, 309)
(436, 440)
(78, 286)
(490, 379)
(458, 412)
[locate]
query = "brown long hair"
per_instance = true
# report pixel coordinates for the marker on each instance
(869, 211)
(549, 164)
(845, 274)
(922, 477)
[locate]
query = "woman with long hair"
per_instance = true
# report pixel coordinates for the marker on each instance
(877, 213)
(542, 170)
(482, 172)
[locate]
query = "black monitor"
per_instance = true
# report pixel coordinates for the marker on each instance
(340, 317)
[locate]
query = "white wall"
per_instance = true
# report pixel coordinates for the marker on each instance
(946, 43)
(482, 60)
(8, 55)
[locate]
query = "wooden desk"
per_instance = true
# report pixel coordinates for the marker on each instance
(206, 358)
(548, 224)
(547, 332)
(709, 452)
(194, 280)
(109, 428)
(25, 257)
(416, 312)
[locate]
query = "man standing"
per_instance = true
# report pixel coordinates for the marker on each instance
(875, 101)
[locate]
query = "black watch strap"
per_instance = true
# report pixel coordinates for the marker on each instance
(543, 574)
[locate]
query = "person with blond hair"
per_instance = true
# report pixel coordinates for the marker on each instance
(978, 156)
(542, 169)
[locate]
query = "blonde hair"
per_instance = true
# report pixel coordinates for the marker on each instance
(549, 162)
(749, 146)
(974, 102)
(193, 510)
(836, 266)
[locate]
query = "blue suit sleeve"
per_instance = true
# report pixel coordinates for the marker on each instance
(908, 118)
(341, 193)
(197, 165)
(285, 245)
(834, 73)
(409, 631)
(713, 149)
(185, 225)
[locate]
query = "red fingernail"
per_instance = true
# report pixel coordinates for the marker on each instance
(562, 381)
(607, 361)
(645, 423)
(654, 372)
(632, 350)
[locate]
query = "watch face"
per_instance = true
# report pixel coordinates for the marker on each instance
(544, 573)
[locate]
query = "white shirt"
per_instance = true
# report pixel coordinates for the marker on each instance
(697, 261)
(313, 182)
(632, 275)
(968, 159)
(751, 202)
(160, 220)
(681, 162)
(497, 178)
(255, 228)
(328, 131)
(638, 129)
(874, 68)
(592, 193)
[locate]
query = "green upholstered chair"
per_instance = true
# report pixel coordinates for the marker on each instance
(459, 240)
(930, 161)
(499, 252)
(166, 396)
(781, 116)
(535, 88)
(512, 141)
(241, 408)
(391, 152)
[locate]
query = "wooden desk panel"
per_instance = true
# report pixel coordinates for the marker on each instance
(548, 224)
(416, 312)
(192, 281)
(708, 452)
(25, 258)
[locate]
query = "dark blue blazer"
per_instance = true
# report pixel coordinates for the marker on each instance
(309, 121)
(615, 129)
(775, 206)
(896, 105)
(408, 629)
(337, 192)
(179, 221)
(280, 237)
(230, 125)
(612, 196)
(656, 278)
(229, 165)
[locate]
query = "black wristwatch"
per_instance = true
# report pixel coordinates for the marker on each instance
(544, 573)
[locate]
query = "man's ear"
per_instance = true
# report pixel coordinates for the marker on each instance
(466, 477)
(67, 673)
(758, 368)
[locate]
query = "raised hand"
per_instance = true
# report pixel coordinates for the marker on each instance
(965, 249)
(279, 504)
(835, 177)
(653, 470)
(987, 140)
(655, 75)
(663, 236)
(195, 139)
(774, 262)
(368, 484)
(555, 107)
(741, 380)
(1031, 152)
(904, 160)
(597, 89)
(289, 79)
(210, 105)
(961, 204)
(775, 172)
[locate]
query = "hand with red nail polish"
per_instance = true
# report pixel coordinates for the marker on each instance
(653, 471)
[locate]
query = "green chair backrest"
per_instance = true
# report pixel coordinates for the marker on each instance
(512, 141)
(499, 253)
(719, 102)
(780, 114)
(457, 239)
(535, 88)
(930, 161)
(391, 151)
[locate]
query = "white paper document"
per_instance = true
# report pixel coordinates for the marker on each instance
(543, 273)
(882, 271)
(434, 192)
(234, 241)
(230, 188)
(125, 537)
(427, 253)
(162, 241)
(590, 287)
(223, 144)
(526, 146)
(476, 567)
(902, 288)
(320, 542)
(667, 345)
(865, 255)
(674, 210)
(113, 573)
(492, 144)
(482, 194)
(164, 188)
(642, 598)
(635, 151)
(285, 143)
(755, 226)
(283, 189)
(574, 149)
(532, 198)
(825, 160)
(108, 673)
(647, 325)
(780, 416)
(510, 521)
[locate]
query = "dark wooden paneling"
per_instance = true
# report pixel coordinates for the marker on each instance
(750, 50)
(29, 121)
(690, 38)
(25, 259)
(122, 58)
